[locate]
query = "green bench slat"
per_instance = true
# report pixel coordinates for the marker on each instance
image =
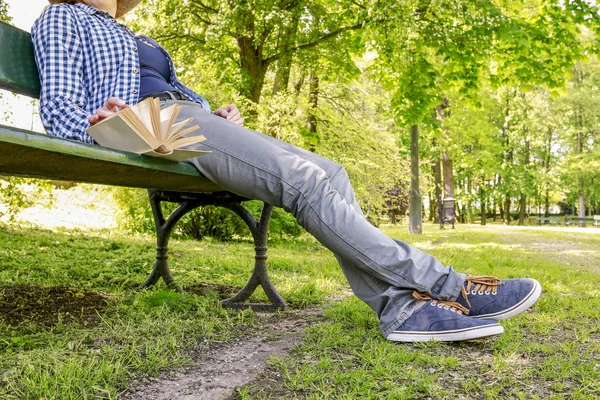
(24, 153)
(18, 72)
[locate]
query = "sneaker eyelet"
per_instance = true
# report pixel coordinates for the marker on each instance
(473, 292)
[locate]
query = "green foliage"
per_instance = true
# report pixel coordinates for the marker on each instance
(208, 221)
(18, 193)
(216, 222)
(282, 225)
(241, 40)
(4, 11)
(135, 213)
(261, 55)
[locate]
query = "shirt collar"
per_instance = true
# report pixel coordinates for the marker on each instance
(92, 10)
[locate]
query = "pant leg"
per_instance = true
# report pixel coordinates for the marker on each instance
(392, 304)
(382, 270)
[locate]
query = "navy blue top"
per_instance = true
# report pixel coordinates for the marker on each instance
(155, 71)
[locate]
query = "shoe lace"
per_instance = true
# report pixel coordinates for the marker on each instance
(446, 304)
(481, 285)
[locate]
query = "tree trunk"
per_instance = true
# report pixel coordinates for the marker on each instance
(438, 209)
(507, 202)
(469, 202)
(498, 200)
(313, 101)
(441, 113)
(416, 220)
(284, 64)
(253, 69)
(483, 203)
(508, 157)
(522, 205)
(581, 182)
(522, 209)
(548, 150)
(448, 175)
(432, 206)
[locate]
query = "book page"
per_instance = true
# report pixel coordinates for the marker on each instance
(186, 141)
(116, 133)
(142, 110)
(139, 127)
(175, 137)
(155, 120)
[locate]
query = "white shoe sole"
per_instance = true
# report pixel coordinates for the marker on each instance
(527, 302)
(476, 332)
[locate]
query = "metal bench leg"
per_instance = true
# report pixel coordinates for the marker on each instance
(260, 232)
(163, 232)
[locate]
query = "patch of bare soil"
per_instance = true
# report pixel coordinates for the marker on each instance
(223, 291)
(47, 306)
(222, 367)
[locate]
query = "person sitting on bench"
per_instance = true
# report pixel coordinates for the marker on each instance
(90, 66)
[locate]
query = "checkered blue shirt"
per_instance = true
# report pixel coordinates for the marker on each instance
(84, 56)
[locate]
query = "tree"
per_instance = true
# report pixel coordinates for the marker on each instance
(245, 38)
(580, 136)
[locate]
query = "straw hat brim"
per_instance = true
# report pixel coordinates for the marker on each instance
(123, 6)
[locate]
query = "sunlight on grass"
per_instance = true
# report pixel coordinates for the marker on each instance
(533, 359)
(547, 352)
(89, 208)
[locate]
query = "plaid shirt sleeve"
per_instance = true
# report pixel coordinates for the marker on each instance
(59, 56)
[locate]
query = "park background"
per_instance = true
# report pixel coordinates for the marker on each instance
(492, 103)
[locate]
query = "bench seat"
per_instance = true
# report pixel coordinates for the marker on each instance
(24, 153)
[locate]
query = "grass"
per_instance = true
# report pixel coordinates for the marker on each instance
(75, 326)
(552, 351)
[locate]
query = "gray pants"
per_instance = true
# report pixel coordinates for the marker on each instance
(382, 272)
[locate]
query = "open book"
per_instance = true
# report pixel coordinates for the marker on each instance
(146, 129)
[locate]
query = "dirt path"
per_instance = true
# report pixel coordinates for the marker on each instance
(223, 367)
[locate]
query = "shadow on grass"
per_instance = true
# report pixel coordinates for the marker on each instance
(47, 306)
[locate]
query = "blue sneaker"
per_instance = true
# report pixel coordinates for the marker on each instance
(491, 298)
(442, 321)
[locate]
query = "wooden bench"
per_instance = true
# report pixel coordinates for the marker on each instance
(581, 220)
(548, 220)
(597, 221)
(30, 154)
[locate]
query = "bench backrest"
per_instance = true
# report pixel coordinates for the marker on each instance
(18, 72)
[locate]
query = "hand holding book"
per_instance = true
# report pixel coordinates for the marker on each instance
(146, 129)
(113, 105)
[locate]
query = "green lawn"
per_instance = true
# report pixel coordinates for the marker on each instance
(552, 351)
(75, 326)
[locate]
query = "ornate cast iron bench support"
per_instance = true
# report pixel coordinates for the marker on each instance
(260, 229)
